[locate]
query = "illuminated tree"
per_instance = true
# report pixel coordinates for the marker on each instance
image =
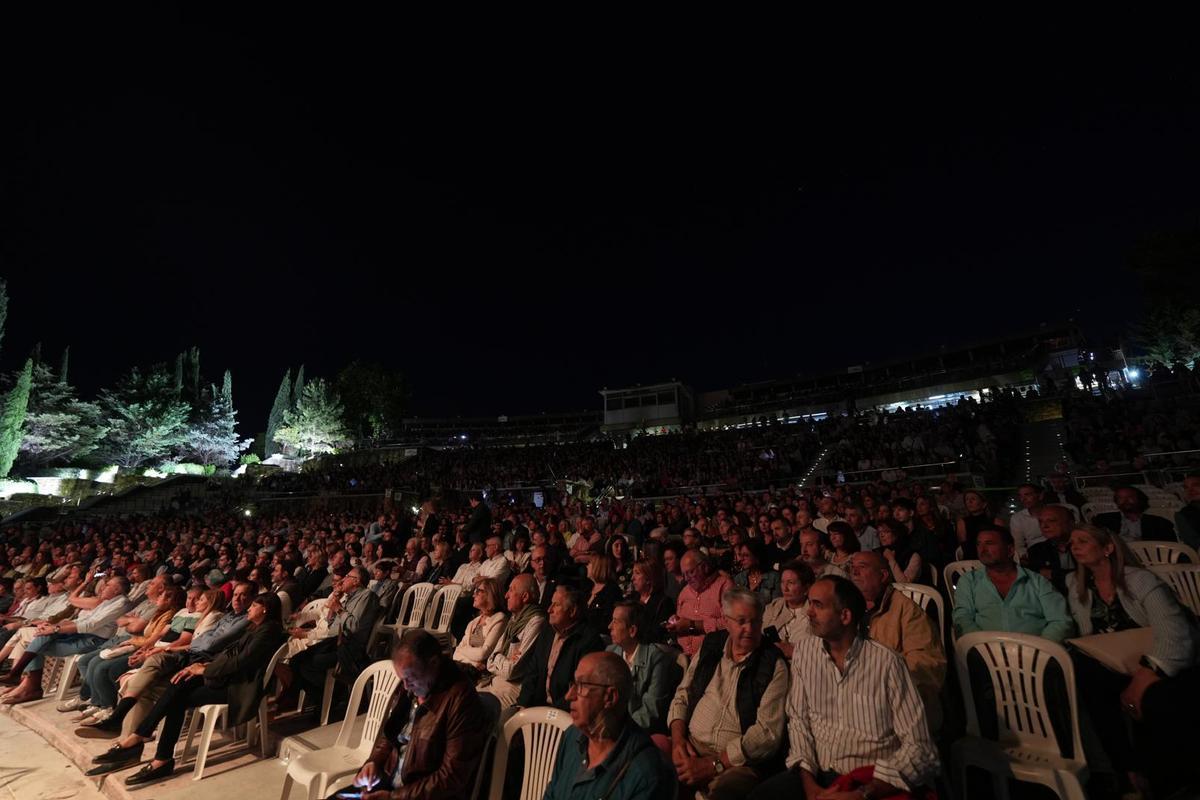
(3, 307)
(146, 421)
(315, 426)
(375, 399)
(12, 418)
(297, 388)
(283, 398)
(213, 439)
(59, 427)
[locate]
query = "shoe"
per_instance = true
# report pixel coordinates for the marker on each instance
(149, 773)
(84, 713)
(116, 754)
(74, 704)
(100, 716)
(98, 733)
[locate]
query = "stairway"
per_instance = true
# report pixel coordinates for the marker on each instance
(1042, 445)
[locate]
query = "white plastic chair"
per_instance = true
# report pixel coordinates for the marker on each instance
(412, 613)
(326, 696)
(1184, 579)
(441, 612)
(1025, 748)
(1098, 507)
(924, 596)
(1152, 553)
(215, 712)
(326, 771)
(542, 729)
(285, 604)
(955, 570)
(70, 671)
(313, 607)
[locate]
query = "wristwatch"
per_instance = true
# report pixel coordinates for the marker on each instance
(718, 766)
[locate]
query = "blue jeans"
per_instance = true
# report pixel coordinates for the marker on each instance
(89, 661)
(59, 645)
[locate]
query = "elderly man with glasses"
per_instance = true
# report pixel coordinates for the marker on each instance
(726, 720)
(605, 753)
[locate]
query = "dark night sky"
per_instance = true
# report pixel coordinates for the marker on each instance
(514, 230)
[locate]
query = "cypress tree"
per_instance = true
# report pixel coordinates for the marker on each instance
(194, 359)
(227, 387)
(297, 389)
(66, 361)
(12, 419)
(281, 404)
(179, 375)
(3, 307)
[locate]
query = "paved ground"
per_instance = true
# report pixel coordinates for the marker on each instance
(30, 769)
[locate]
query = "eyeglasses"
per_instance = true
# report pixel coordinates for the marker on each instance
(574, 685)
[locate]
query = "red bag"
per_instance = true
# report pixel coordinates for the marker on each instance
(864, 775)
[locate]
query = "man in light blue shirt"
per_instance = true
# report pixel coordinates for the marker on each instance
(1006, 597)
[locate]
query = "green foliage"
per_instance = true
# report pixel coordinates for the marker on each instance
(250, 458)
(227, 387)
(179, 376)
(194, 364)
(146, 420)
(59, 427)
(315, 426)
(1168, 334)
(283, 399)
(66, 361)
(375, 398)
(1168, 266)
(12, 419)
(212, 438)
(297, 388)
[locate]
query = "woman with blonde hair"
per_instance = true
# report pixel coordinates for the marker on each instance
(1110, 591)
(647, 579)
(604, 592)
(483, 633)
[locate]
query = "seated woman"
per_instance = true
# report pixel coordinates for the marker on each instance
(234, 677)
(618, 551)
(100, 680)
(843, 543)
(1109, 592)
(647, 578)
(483, 632)
(518, 556)
(603, 593)
(788, 615)
(904, 563)
(755, 575)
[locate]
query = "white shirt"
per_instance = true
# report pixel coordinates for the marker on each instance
(495, 568)
(1026, 531)
(464, 576)
(868, 539)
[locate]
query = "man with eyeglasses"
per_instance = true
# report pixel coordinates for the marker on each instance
(351, 614)
(605, 754)
(726, 720)
(539, 559)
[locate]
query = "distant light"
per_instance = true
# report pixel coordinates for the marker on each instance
(462, 436)
(416, 510)
(248, 513)
(1134, 373)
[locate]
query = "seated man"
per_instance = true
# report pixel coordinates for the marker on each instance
(653, 674)
(543, 566)
(495, 565)
(606, 753)
(856, 726)
(50, 602)
(439, 709)
(1051, 557)
(509, 662)
(726, 720)
(555, 656)
(86, 632)
(699, 607)
(1131, 522)
(1005, 597)
(351, 612)
(900, 625)
(812, 552)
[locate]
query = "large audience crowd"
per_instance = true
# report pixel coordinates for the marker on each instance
(767, 643)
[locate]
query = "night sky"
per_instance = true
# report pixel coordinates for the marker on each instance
(515, 229)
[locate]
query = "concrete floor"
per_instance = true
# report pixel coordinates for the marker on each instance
(30, 769)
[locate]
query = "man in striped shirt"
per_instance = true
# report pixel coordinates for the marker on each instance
(856, 724)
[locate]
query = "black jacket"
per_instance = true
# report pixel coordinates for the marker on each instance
(579, 642)
(1154, 528)
(239, 669)
(479, 526)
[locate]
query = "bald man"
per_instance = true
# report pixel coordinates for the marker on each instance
(1052, 556)
(900, 625)
(509, 662)
(605, 753)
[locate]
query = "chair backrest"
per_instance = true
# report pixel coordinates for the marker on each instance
(280, 654)
(441, 610)
(1185, 580)
(313, 606)
(412, 605)
(1097, 507)
(542, 729)
(384, 681)
(925, 596)
(1151, 553)
(1017, 665)
(955, 570)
